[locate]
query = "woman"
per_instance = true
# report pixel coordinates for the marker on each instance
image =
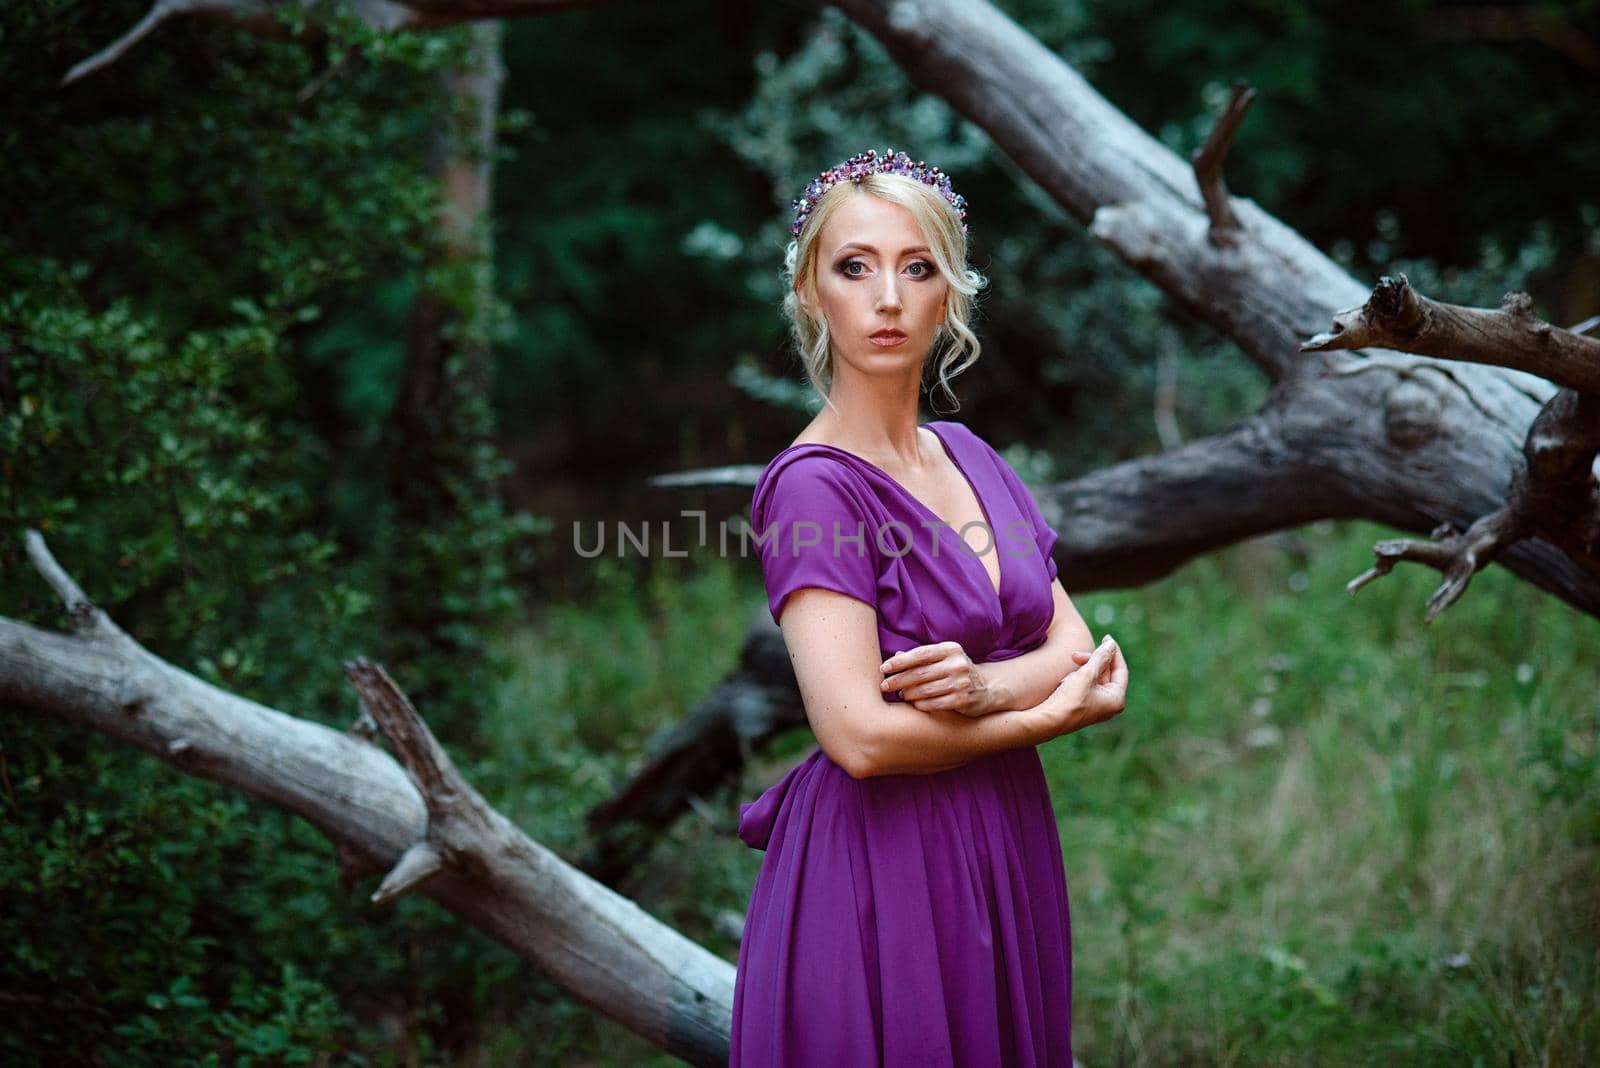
(911, 909)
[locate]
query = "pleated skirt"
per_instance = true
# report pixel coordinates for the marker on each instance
(906, 920)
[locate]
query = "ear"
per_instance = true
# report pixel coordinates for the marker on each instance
(805, 302)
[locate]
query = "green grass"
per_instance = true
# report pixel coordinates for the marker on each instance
(1323, 832)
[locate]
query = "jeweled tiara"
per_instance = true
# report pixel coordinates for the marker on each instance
(869, 162)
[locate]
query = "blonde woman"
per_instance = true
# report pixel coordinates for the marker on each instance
(911, 908)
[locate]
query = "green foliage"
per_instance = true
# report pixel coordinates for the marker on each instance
(166, 248)
(153, 467)
(125, 920)
(1370, 841)
(152, 918)
(616, 210)
(1438, 105)
(176, 232)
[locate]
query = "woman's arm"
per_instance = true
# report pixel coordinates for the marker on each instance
(833, 643)
(1023, 681)
(940, 677)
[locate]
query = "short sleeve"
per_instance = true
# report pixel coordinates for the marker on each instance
(812, 528)
(1043, 534)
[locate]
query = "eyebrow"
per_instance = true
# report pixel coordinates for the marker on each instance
(869, 248)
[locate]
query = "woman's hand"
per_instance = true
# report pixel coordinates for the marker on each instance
(940, 678)
(1093, 693)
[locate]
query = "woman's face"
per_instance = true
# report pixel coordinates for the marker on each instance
(877, 286)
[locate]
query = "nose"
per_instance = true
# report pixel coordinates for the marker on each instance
(888, 293)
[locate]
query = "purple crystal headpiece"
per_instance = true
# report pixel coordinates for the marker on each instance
(869, 162)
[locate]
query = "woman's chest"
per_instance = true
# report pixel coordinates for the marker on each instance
(947, 501)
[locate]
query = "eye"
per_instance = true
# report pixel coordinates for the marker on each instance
(927, 269)
(845, 268)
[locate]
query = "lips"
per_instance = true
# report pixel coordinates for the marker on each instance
(888, 334)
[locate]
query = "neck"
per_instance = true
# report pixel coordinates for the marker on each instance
(875, 417)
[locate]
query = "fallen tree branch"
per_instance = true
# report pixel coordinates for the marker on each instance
(1385, 443)
(1397, 317)
(422, 819)
(1553, 495)
(1338, 447)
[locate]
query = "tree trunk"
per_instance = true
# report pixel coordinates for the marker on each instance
(442, 425)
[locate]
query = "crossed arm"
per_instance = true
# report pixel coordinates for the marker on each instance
(833, 643)
(941, 677)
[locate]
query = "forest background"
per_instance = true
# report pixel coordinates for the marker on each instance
(1369, 841)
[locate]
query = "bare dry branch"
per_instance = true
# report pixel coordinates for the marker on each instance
(159, 12)
(1208, 159)
(84, 617)
(443, 790)
(416, 866)
(1554, 497)
(731, 475)
(1399, 318)
(1459, 556)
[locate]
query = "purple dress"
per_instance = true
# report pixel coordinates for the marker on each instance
(906, 920)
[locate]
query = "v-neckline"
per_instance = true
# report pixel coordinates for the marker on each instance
(983, 506)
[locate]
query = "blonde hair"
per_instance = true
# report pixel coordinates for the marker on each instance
(955, 347)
